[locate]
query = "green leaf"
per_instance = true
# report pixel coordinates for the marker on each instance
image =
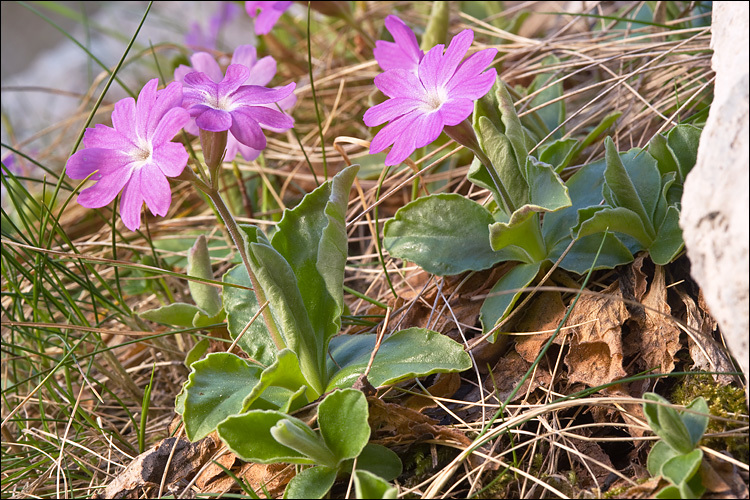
(216, 387)
(368, 485)
(241, 306)
(200, 320)
(499, 149)
(285, 374)
(437, 27)
(294, 434)
(658, 456)
(176, 314)
(696, 424)
(312, 238)
(678, 151)
(314, 482)
(547, 191)
(669, 492)
(593, 220)
(583, 253)
(668, 241)
(681, 468)
(592, 136)
(249, 437)
(197, 352)
(552, 114)
(636, 187)
(522, 236)
(444, 234)
(559, 153)
(410, 353)
(667, 424)
(379, 460)
(342, 417)
(285, 299)
(513, 129)
(199, 265)
(498, 304)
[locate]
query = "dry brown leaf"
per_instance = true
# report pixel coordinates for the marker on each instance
(543, 315)
(393, 424)
(444, 386)
(595, 355)
(721, 479)
(660, 338)
(272, 477)
(507, 374)
(147, 469)
(706, 353)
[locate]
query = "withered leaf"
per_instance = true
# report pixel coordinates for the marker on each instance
(660, 338)
(148, 468)
(595, 355)
(507, 374)
(543, 315)
(706, 353)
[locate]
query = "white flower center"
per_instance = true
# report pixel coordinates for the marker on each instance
(434, 100)
(143, 153)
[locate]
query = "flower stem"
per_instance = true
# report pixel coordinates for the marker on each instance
(234, 232)
(463, 134)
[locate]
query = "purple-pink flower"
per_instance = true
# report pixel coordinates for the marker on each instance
(196, 37)
(230, 105)
(403, 53)
(440, 93)
(136, 156)
(270, 12)
(261, 72)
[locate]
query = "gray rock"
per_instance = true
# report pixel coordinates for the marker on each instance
(715, 203)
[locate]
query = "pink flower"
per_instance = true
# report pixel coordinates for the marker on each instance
(136, 156)
(196, 36)
(270, 12)
(440, 93)
(404, 53)
(229, 105)
(261, 72)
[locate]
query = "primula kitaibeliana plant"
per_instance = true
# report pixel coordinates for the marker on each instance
(439, 94)
(267, 14)
(136, 156)
(261, 73)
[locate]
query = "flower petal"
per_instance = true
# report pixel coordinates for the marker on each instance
(467, 81)
(454, 111)
(102, 136)
(400, 83)
(453, 55)
(144, 108)
(131, 202)
(248, 153)
(167, 100)
(392, 132)
(169, 125)
(86, 161)
(104, 191)
(205, 63)
(171, 158)
(262, 72)
(255, 94)
(158, 194)
(123, 118)
(404, 53)
(268, 117)
(246, 130)
(236, 75)
(428, 128)
(214, 120)
(245, 55)
(389, 110)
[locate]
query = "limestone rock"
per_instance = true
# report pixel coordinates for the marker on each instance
(715, 203)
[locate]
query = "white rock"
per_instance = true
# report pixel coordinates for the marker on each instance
(715, 203)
